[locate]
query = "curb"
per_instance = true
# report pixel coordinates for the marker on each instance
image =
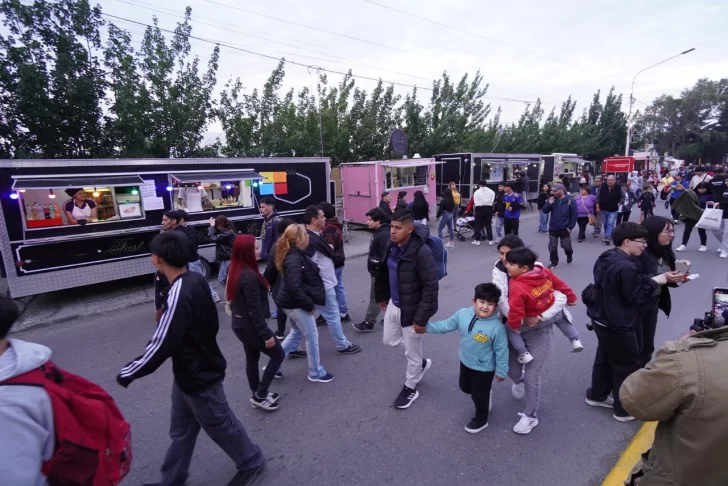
(640, 443)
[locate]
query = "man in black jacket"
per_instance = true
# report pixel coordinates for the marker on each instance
(609, 199)
(379, 223)
(195, 265)
(324, 257)
(187, 333)
(406, 288)
(386, 203)
(613, 305)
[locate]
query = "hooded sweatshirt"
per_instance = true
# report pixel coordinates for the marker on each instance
(531, 293)
(26, 417)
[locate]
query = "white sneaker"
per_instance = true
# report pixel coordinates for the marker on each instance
(703, 248)
(723, 254)
(491, 243)
(525, 358)
(497, 240)
(681, 248)
(608, 403)
(525, 425)
(518, 390)
(476, 243)
(627, 418)
(576, 346)
(450, 244)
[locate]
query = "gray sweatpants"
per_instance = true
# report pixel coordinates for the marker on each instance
(210, 411)
(538, 341)
(373, 311)
(515, 339)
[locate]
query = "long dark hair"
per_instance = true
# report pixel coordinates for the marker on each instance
(656, 225)
(419, 203)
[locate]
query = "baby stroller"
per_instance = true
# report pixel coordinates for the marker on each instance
(464, 226)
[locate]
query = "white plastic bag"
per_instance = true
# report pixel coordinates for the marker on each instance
(711, 219)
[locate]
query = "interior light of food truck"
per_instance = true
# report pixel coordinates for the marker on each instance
(213, 191)
(58, 202)
(405, 177)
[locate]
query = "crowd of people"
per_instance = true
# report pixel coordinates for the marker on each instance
(506, 332)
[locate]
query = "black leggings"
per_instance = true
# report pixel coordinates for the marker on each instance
(281, 320)
(689, 225)
(623, 217)
(582, 221)
(253, 348)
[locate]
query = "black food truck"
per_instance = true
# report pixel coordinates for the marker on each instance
(49, 242)
(466, 170)
(566, 169)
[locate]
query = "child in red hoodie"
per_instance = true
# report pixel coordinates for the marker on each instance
(530, 293)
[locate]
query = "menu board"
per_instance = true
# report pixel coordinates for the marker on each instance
(421, 175)
(150, 200)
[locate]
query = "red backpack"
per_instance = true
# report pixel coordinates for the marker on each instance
(93, 441)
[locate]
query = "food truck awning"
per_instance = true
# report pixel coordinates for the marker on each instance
(77, 181)
(576, 160)
(231, 175)
(411, 163)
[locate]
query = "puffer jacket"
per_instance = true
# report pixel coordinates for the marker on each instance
(223, 242)
(250, 307)
(417, 278)
(378, 248)
(301, 286)
(333, 234)
(647, 263)
(271, 273)
(563, 213)
(684, 389)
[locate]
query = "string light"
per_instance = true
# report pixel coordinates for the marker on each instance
(14, 195)
(95, 193)
(228, 187)
(170, 188)
(134, 192)
(50, 194)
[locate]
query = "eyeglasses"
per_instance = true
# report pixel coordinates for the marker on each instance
(640, 242)
(669, 231)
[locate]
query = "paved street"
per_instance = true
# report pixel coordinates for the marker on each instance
(347, 432)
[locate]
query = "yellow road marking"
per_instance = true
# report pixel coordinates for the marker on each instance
(641, 442)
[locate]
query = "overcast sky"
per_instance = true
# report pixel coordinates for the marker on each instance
(525, 49)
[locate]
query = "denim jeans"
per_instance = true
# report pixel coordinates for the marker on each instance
(330, 313)
(211, 412)
(223, 272)
(543, 221)
(446, 219)
(499, 223)
(303, 325)
(341, 292)
(197, 268)
(610, 218)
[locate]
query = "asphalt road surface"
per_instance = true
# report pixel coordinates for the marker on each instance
(347, 432)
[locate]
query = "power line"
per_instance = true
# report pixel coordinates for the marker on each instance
(228, 46)
(359, 39)
(473, 34)
(202, 21)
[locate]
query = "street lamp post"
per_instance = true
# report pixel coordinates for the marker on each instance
(631, 97)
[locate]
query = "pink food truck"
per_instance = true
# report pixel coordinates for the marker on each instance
(364, 182)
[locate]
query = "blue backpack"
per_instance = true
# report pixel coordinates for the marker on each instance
(439, 253)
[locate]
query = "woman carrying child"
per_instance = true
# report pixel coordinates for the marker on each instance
(533, 341)
(483, 349)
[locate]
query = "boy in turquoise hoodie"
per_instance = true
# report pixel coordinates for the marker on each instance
(483, 349)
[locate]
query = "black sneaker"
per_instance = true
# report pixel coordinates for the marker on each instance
(264, 403)
(553, 265)
(346, 318)
(278, 375)
(363, 326)
(351, 349)
(475, 426)
(320, 321)
(606, 241)
(279, 336)
(580, 240)
(406, 397)
(298, 353)
(426, 365)
(247, 477)
(569, 258)
(327, 378)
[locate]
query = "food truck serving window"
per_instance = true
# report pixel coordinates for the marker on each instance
(407, 176)
(63, 201)
(212, 191)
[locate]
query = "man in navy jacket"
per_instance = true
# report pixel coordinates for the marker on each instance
(563, 219)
